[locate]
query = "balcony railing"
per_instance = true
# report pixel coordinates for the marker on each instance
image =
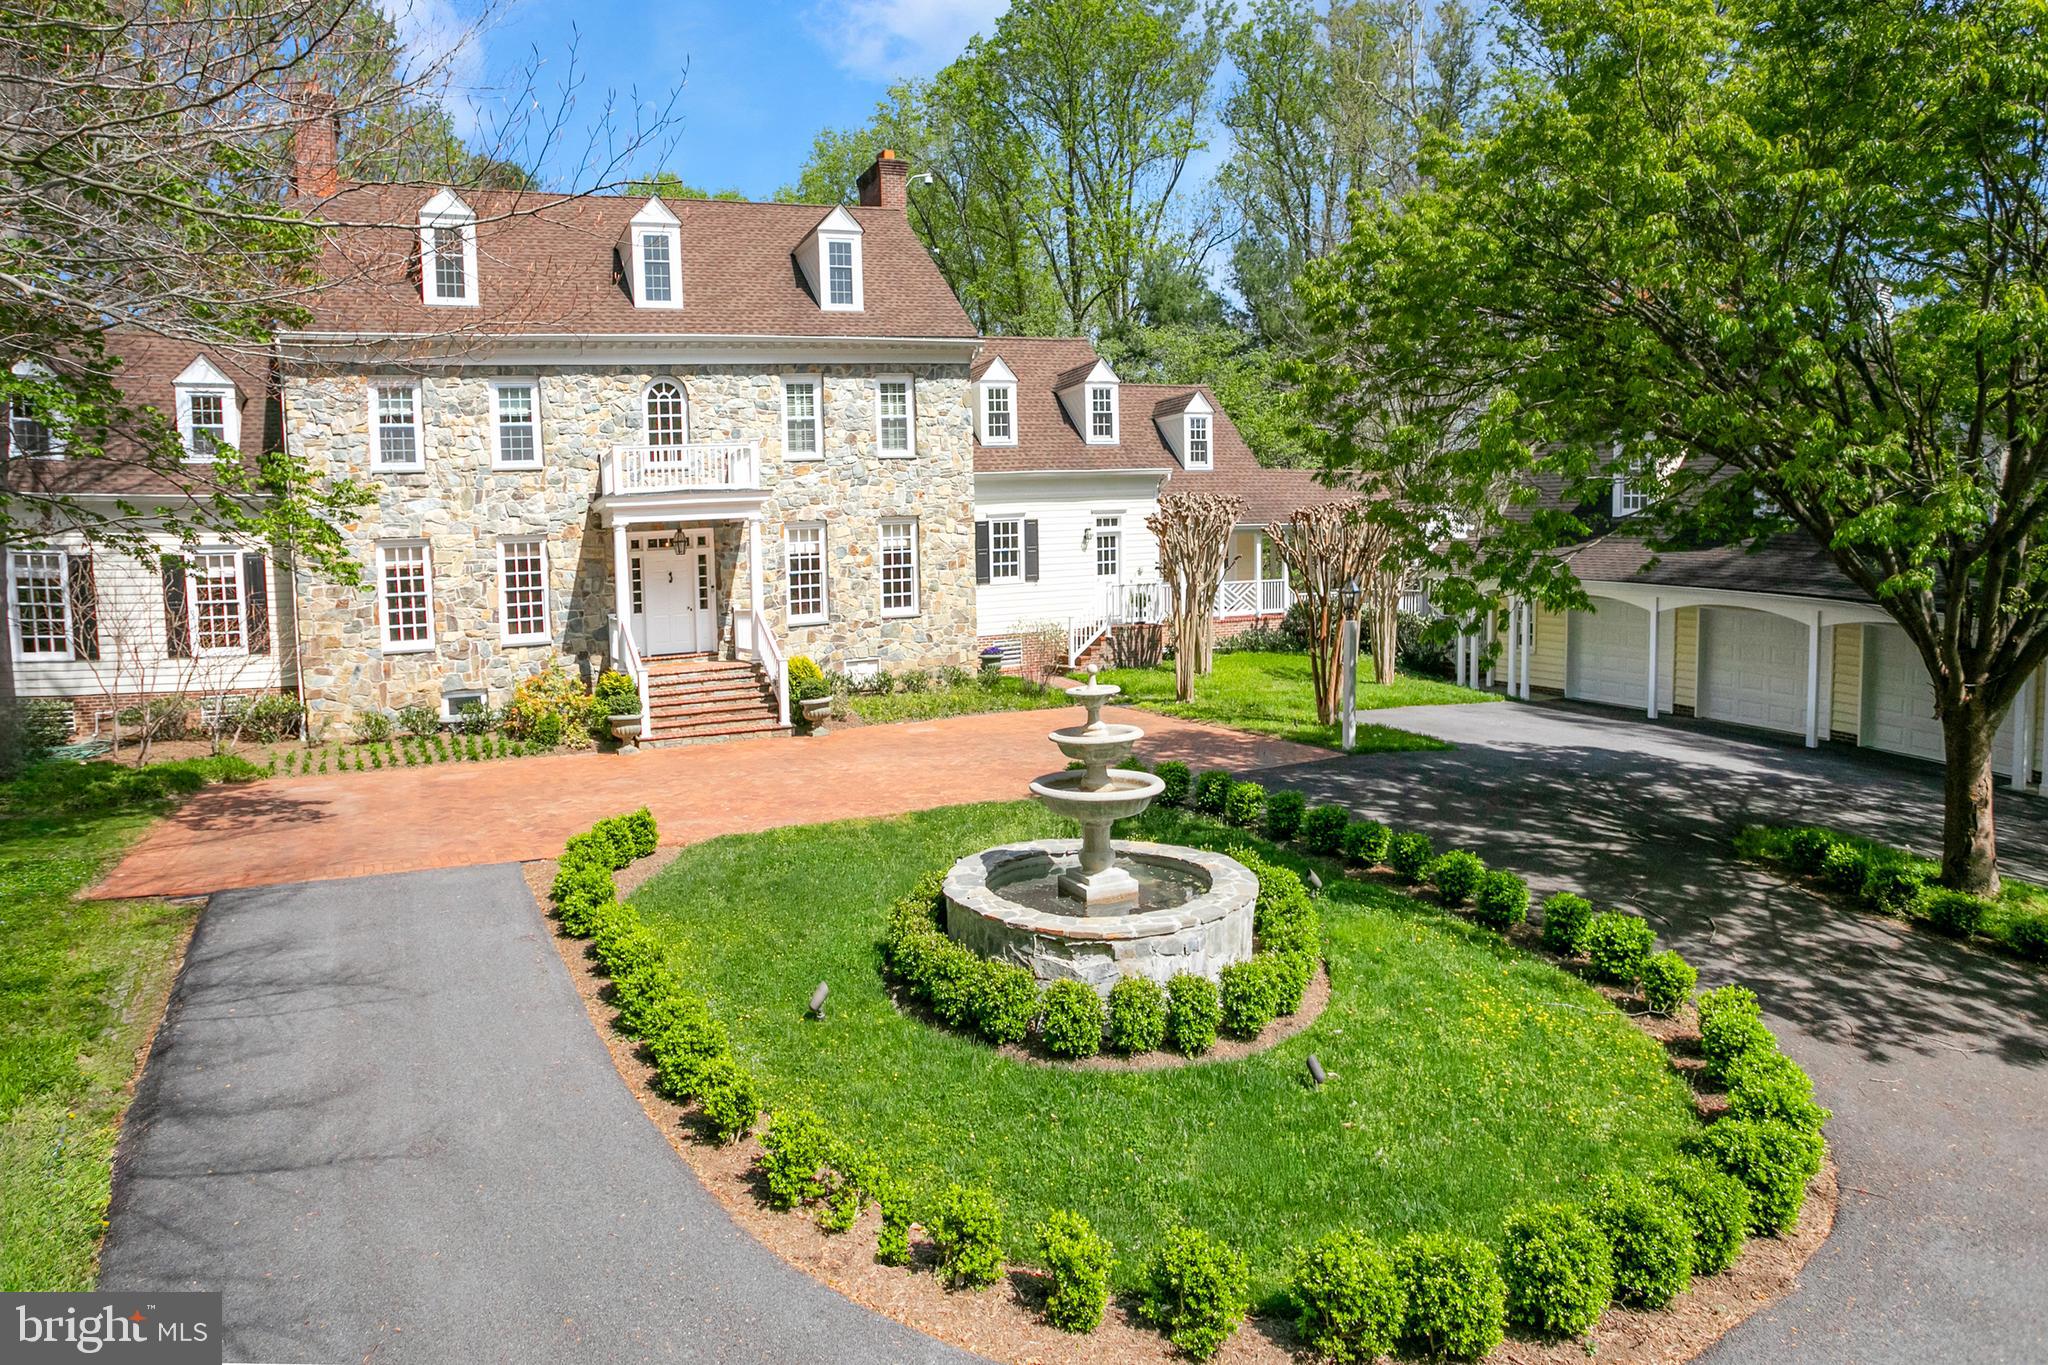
(707, 466)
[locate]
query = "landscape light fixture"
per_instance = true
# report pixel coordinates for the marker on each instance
(1315, 882)
(818, 1000)
(1315, 1070)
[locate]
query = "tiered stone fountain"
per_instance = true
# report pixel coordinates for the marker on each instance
(1098, 908)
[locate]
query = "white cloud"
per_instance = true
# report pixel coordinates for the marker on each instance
(885, 39)
(443, 48)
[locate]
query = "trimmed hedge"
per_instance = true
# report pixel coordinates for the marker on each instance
(1071, 1025)
(1348, 1302)
(1005, 1002)
(1650, 1240)
(1566, 918)
(1249, 994)
(1955, 913)
(1558, 1269)
(1365, 843)
(1137, 1016)
(1456, 876)
(1322, 830)
(1193, 1012)
(1409, 857)
(1716, 1208)
(1617, 945)
(1454, 1303)
(967, 1230)
(1773, 1159)
(1196, 1290)
(1177, 780)
(1284, 812)
(1668, 982)
(1078, 1260)
(1211, 792)
(1731, 1027)
(728, 1099)
(1244, 804)
(1500, 900)
(1769, 1085)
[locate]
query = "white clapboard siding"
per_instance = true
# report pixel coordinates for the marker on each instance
(1068, 587)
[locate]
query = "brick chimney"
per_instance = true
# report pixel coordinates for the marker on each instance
(316, 142)
(885, 184)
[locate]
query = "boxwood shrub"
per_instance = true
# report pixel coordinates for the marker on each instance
(2028, 936)
(729, 1100)
(1618, 945)
(1558, 1270)
(797, 1156)
(1365, 843)
(684, 1044)
(1807, 848)
(1454, 1304)
(1500, 900)
(1348, 1304)
(1716, 1208)
(1244, 804)
(1137, 1016)
(1196, 1290)
(1193, 1012)
(1773, 1159)
(1071, 1025)
(1284, 812)
(1565, 919)
(1668, 982)
(1410, 856)
(1844, 866)
(1456, 876)
(953, 977)
(1890, 888)
(1650, 1240)
(1769, 1085)
(1005, 1002)
(892, 1239)
(1249, 996)
(967, 1230)
(1212, 792)
(1955, 913)
(622, 943)
(1322, 830)
(1077, 1260)
(1291, 974)
(1177, 780)
(639, 994)
(1731, 1027)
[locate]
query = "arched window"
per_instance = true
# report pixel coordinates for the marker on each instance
(668, 414)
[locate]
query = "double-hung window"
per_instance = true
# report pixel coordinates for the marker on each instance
(451, 271)
(405, 585)
(447, 252)
(800, 431)
(839, 272)
(213, 588)
(895, 416)
(1109, 536)
(998, 414)
(657, 269)
(42, 604)
(1198, 441)
(1005, 549)
(899, 568)
(395, 443)
(515, 425)
(206, 423)
(28, 435)
(1101, 412)
(803, 571)
(1630, 497)
(523, 591)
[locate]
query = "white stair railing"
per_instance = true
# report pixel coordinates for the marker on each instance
(757, 640)
(626, 657)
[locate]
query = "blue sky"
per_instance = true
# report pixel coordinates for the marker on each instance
(760, 77)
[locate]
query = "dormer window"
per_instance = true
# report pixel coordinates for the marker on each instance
(830, 259)
(1101, 412)
(1198, 441)
(653, 253)
(448, 252)
(1088, 392)
(209, 418)
(996, 412)
(30, 434)
(1188, 423)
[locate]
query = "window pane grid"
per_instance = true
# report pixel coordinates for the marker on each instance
(524, 567)
(39, 603)
(216, 587)
(804, 568)
(654, 268)
(1005, 549)
(895, 406)
(999, 413)
(800, 403)
(206, 425)
(1198, 440)
(516, 443)
(1108, 545)
(408, 613)
(28, 436)
(450, 281)
(398, 440)
(668, 415)
(839, 272)
(1102, 416)
(899, 566)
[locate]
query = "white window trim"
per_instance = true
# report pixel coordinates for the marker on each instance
(1096, 529)
(191, 558)
(817, 450)
(1188, 420)
(1624, 494)
(444, 210)
(825, 241)
(547, 605)
(646, 425)
(419, 421)
(988, 387)
(14, 570)
(449, 715)
(1088, 392)
(54, 432)
(916, 568)
(824, 612)
(498, 460)
(1018, 524)
(909, 452)
(384, 642)
(202, 377)
(674, 238)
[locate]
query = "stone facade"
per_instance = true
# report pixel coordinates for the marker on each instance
(463, 509)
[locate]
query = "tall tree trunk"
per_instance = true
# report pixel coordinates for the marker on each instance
(1969, 840)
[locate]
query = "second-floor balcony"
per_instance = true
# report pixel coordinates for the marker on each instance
(699, 467)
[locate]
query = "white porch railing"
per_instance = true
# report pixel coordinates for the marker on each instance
(626, 658)
(1274, 597)
(1244, 597)
(1122, 604)
(706, 465)
(752, 637)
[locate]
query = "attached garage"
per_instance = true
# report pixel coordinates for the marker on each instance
(1606, 652)
(1898, 701)
(1752, 669)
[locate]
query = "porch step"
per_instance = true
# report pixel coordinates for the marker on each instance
(694, 699)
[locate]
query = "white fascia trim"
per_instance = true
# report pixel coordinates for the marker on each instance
(995, 477)
(1834, 611)
(498, 384)
(652, 350)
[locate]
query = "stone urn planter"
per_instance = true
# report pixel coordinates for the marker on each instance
(626, 730)
(816, 711)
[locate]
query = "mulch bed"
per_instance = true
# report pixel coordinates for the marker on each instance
(1003, 1323)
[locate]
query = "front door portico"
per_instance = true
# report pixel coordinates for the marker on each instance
(674, 590)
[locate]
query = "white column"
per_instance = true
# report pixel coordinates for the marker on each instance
(1459, 645)
(1485, 643)
(1514, 641)
(2023, 736)
(1258, 574)
(622, 581)
(754, 603)
(1528, 643)
(1656, 615)
(1813, 682)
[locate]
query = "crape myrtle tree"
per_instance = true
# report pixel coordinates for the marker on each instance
(1339, 560)
(1193, 531)
(1784, 261)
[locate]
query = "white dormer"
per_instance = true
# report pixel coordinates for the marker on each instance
(830, 261)
(995, 405)
(448, 252)
(209, 414)
(653, 257)
(1089, 394)
(1190, 432)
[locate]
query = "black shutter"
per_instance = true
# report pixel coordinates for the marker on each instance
(85, 607)
(177, 621)
(981, 552)
(1031, 551)
(256, 603)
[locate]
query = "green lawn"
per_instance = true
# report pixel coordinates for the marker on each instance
(81, 984)
(1271, 693)
(961, 699)
(1467, 1076)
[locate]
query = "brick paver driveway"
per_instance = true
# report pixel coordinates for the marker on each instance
(465, 814)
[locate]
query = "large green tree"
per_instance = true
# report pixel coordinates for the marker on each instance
(1787, 261)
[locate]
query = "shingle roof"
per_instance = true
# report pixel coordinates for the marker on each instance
(1067, 378)
(1790, 565)
(547, 264)
(1173, 404)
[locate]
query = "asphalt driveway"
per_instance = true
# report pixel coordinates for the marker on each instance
(1933, 1056)
(377, 1119)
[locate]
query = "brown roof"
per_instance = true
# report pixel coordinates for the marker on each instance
(146, 366)
(1074, 374)
(1174, 403)
(547, 264)
(1790, 564)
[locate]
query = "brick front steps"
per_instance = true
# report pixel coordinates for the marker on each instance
(691, 699)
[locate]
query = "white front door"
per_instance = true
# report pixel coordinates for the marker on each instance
(674, 591)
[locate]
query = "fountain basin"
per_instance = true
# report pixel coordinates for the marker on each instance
(1100, 745)
(1193, 912)
(1129, 792)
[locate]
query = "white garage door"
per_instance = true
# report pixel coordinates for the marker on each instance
(1752, 669)
(1898, 701)
(1605, 654)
